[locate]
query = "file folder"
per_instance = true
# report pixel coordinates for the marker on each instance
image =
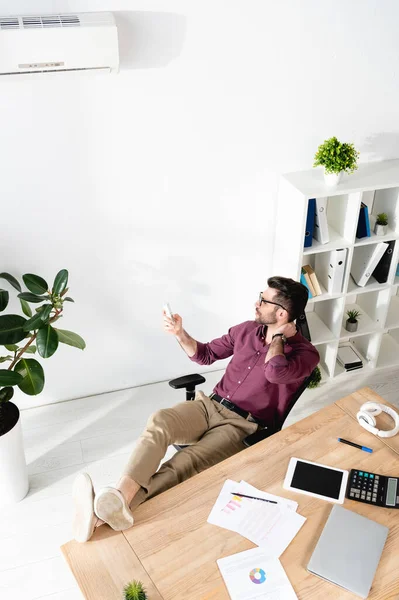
(310, 223)
(320, 232)
(336, 270)
(362, 223)
(364, 261)
(381, 271)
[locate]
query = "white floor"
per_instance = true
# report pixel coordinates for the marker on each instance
(96, 435)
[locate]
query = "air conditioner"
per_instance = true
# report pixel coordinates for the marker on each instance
(60, 42)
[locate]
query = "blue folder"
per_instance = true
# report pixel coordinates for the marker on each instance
(310, 222)
(304, 282)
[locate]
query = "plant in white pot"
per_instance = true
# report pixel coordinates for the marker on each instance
(381, 224)
(17, 335)
(352, 320)
(336, 158)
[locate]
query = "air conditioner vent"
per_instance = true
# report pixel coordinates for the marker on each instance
(51, 21)
(9, 23)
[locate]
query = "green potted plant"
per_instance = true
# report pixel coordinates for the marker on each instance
(135, 591)
(381, 224)
(315, 378)
(336, 157)
(21, 338)
(352, 320)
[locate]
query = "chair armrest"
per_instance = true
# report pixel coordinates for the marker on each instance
(258, 436)
(187, 381)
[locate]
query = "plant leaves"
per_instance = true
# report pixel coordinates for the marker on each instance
(11, 329)
(11, 280)
(45, 312)
(5, 358)
(31, 297)
(30, 350)
(46, 341)
(32, 376)
(11, 347)
(26, 309)
(9, 377)
(71, 338)
(68, 299)
(34, 323)
(4, 297)
(6, 394)
(60, 282)
(35, 284)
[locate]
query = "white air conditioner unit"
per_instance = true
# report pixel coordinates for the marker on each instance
(60, 42)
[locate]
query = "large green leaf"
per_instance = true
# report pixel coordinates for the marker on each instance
(32, 374)
(26, 309)
(11, 347)
(11, 280)
(35, 284)
(34, 323)
(11, 329)
(45, 313)
(71, 338)
(46, 341)
(9, 377)
(4, 297)
(31, 297)
(60, 281)
(6, 394)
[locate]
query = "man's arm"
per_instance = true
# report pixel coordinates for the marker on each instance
(175, 327)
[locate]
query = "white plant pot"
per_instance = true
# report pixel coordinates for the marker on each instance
(380, 229)
(332, 179)
(14, 482)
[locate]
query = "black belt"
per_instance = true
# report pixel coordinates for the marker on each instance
(243, 413)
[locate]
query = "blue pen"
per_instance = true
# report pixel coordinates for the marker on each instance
(355, 445)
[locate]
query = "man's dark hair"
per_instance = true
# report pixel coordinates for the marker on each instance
(290, 294)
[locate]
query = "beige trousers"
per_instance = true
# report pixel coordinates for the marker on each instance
(213, 431)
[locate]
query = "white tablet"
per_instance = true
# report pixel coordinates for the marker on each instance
(314, 479)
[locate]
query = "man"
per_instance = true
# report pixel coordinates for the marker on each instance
(270, 361)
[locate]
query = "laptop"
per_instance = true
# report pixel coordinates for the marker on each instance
(348, 551)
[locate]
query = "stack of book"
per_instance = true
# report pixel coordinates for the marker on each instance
(309, 280)
(349, 358)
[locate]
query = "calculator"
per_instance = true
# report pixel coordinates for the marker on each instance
(372, 488)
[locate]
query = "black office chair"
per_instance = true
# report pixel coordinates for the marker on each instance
(189, 382)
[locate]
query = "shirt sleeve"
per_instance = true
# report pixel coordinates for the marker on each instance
(283, 369)
(217, 349)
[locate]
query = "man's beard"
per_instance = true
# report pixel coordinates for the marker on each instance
(271, 320)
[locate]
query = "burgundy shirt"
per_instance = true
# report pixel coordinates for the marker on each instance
(263, 389)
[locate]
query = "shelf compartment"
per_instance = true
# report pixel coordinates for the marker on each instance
(372, 306)
(387, 201)
(367, 346)
(319, 262)
(389, 349)
(324, 320)
(392, 319)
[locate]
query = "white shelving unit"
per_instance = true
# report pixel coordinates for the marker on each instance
(377, 185)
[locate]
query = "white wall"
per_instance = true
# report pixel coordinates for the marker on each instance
(159, 184)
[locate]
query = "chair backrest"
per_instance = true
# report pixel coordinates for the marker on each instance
(298, 393)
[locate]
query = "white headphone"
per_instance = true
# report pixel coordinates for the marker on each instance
(366, 418)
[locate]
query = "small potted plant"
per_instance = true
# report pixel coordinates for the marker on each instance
(352, 320)
(381, 224)
(315, 378)
(336, 157)
(135, 591)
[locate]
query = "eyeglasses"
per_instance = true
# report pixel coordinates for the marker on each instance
(261, 299)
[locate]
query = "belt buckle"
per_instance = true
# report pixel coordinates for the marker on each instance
(248, 417)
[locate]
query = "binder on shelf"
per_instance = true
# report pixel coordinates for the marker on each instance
(305, 283)
(310, 222)
(320, 232)
(397, 270)
(363, 224)
(336, 270)
(313, 280)
(364, 261)
(381, 271)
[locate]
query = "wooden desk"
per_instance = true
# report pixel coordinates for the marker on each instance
(173, 550)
